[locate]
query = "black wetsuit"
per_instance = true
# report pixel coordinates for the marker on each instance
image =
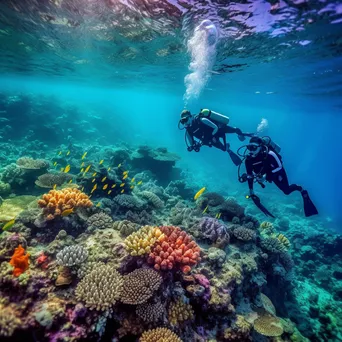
(203, 132)
(269, 164)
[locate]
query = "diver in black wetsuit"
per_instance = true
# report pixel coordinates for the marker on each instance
(209, 128)
(264, 163)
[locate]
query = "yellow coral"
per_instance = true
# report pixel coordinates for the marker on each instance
(140, 242)
(179, 312)
(159, 335)
(267, 227)
(284, 241)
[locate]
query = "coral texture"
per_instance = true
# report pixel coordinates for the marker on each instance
(72, 255)
(32, 164)
(20, 261)
(56, 202)
(159, 335)
(213, 230)
(150, 312)
(244, 234)
(49, 180)
(125, 227)
(179, 312)
(268, 325)
(100, 221)
(152, 198)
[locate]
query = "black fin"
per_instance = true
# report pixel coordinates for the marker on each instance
(309, 208)
(257, 202)
(234, 157)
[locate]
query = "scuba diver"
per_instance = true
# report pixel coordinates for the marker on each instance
(264, 163)
(209, 128)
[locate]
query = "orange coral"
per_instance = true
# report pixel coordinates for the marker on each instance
(19, 261)
(57, 202)
(176, 249)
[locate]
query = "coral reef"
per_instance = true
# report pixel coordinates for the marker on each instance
(213, 230)
(180, 312)
(150, 312)
(20, 261)
(159, 334)
(99, 221)
(49, 180)
(72, 255)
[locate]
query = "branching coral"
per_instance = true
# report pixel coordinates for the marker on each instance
(159, 335)
(20, 261)
(101, 288)
(56, 202)
(141, 242)
(268, 325)
(175, 249)
(72, 255)
(8, 322)
(140, 285)
(49, 180)
(150, 312)
(179, 312)
(152, 198)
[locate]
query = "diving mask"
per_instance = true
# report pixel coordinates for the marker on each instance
(254, 149)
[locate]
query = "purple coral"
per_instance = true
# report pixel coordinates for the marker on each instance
(213, 230)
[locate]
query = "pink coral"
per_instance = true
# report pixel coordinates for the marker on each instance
(176, 249)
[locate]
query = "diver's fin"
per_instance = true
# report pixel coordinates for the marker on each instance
(309, 207)
(257, 202)
(234, 157)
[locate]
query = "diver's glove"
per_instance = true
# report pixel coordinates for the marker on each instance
(241, 138)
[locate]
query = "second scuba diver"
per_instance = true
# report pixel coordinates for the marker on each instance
(263, 162)
(209, 128)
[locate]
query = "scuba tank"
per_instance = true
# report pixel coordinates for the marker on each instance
(209, 114)
(271, 144)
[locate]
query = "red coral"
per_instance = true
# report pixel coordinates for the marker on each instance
(20, 261)
(176, 250)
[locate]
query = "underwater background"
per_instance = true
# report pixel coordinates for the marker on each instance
(102, 84)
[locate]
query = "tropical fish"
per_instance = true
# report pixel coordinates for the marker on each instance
(205, 210)
(122, 184)
(59, 153)
(119, 165)
(113, 186)
(87, 168)
(8, 225)
(94, 179)
(68, 153)
(105, 187)
(82, 170)
(67, 169)
(199, 193)
(101, 161)
(125, 173)
(70, 181)
(67, 212)
(109, 169)
(132, 180)
(139, 183)
(55, 163)
(98, 204)
(122, 191)
(84, 155)
(82, 188)
(54, 186)
(94, 174)
(109, 192)
(218, 215)
(132, 186)
(103, 179)
(82, 164)
(125, 176)
(62, 169)
(93, 189)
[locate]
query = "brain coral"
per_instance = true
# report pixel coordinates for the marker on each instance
(141, 242)
(153, 199)
(176, 249)
(100, 221)
(139, 286)
(159, 335)
(101, 288)
(57, 201)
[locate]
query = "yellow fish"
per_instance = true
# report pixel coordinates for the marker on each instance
(113, 186)
(98, 204)
(82, 188)
(94, 174)
(70, 181)
(218, 215)
(59, 153)
(132, 187)
(139, 183)
(122, 191)
(62, 169)
(125, 172)
(109, 192)
(125, 176)
(8, 225)
(103, 179)
(82, 164)
(132, 180)
(122, 184)
(205, 210)
(55, 163)
(105, 187)
(87, 169)
(68, 153)
(67, 212)
(199, 193)
(82, 170)
(54, 186)
(119, 165)
(67, 169)
(94, 179)
(101, 161)
(109, 169)
(84, 155)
